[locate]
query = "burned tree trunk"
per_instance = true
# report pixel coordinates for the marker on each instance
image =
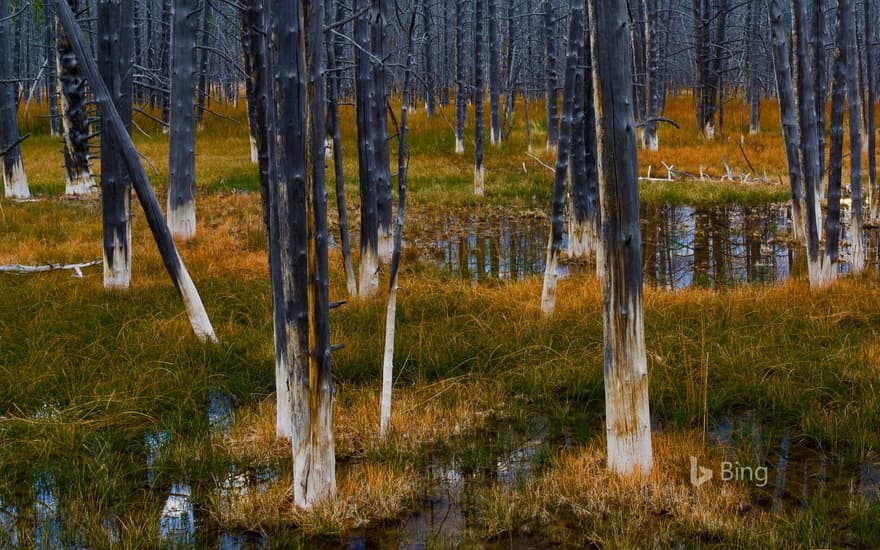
(203, 61)
(428, 60)
(182, 137)
(853, 97)
(460, 84)
(809, 140)
(583, 228)
(72, 90)
(379, 19)
(112, 122)
(115, 57)
(819, 85)
(254, 44)
(652, 87)
(494, 76)
(788, 115)
(391, 311)
(297, 63)
(628, 422)
(14, 181)
(569, 97)
(870, 107)
(754, 43)
(365, 94)
(550, 77)
(479, 169)
(334, 52)
(51, 76)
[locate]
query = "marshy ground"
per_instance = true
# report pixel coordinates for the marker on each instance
(118, 427)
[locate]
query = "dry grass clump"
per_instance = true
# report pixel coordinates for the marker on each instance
(367, 492)
(587, 504)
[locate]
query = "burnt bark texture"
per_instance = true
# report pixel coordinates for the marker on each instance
(14, 181)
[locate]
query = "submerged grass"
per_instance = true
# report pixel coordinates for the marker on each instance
(104, 396)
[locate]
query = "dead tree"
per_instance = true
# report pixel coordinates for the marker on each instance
(75, 120)
(550, 76)
(182, 136)
(628, 421)
(460, 83)
(51, 76)
(296, 45)
(788, 115)
(381, 171)
(368, 279)
(870, 107)
(14, 180)
(115, 58)
(853, 98)
(569, 98)
(112, 123)
(479, 169)
(494, 75)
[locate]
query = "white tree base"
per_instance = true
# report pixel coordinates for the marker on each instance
(857, 263)
(15, 183)
(548, 293)
(650, 142)
(552, 148)
(182, 221)
(118, 276)
(459, 145)
(368, 273)
(328, 148)
(388, 363)
(81, 184)
(479, 180)
(386, 245)
(709, 131)
(579, 240)
(255, 151)
(283, 403)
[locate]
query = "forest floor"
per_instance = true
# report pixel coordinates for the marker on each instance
(119, 426)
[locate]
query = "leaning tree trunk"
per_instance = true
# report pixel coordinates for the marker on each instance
(115, 58)
(569, 97)
(628, 421)
(853, 97)
(182, 136)
(788, 115)
(112, 122)
(364, 92)
(494, 76)
(296, 58)
(461, 85)
(75, 121)
(809, 141)
(479, 169)
(391, 311)
(14, 181)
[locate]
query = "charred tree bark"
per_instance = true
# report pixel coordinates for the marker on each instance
(112, 122)
(254, 42)
(819, 81)
(334, 52)
(72, 90)
(809, 140)
(788, 116)
(204, 30)
(494, 75)
(14, 180)
(115, 58)
(428, 60)
(550, 77)
(628, 422)
(51, 75)
(754, 91)
(583, 229)
(297, 63)
(460, 84)
(870, 107)
(853, 97)
(569, 97)
(479, 169)
(379, 19)
(182, 136)
(652, 87)
(365, 95)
